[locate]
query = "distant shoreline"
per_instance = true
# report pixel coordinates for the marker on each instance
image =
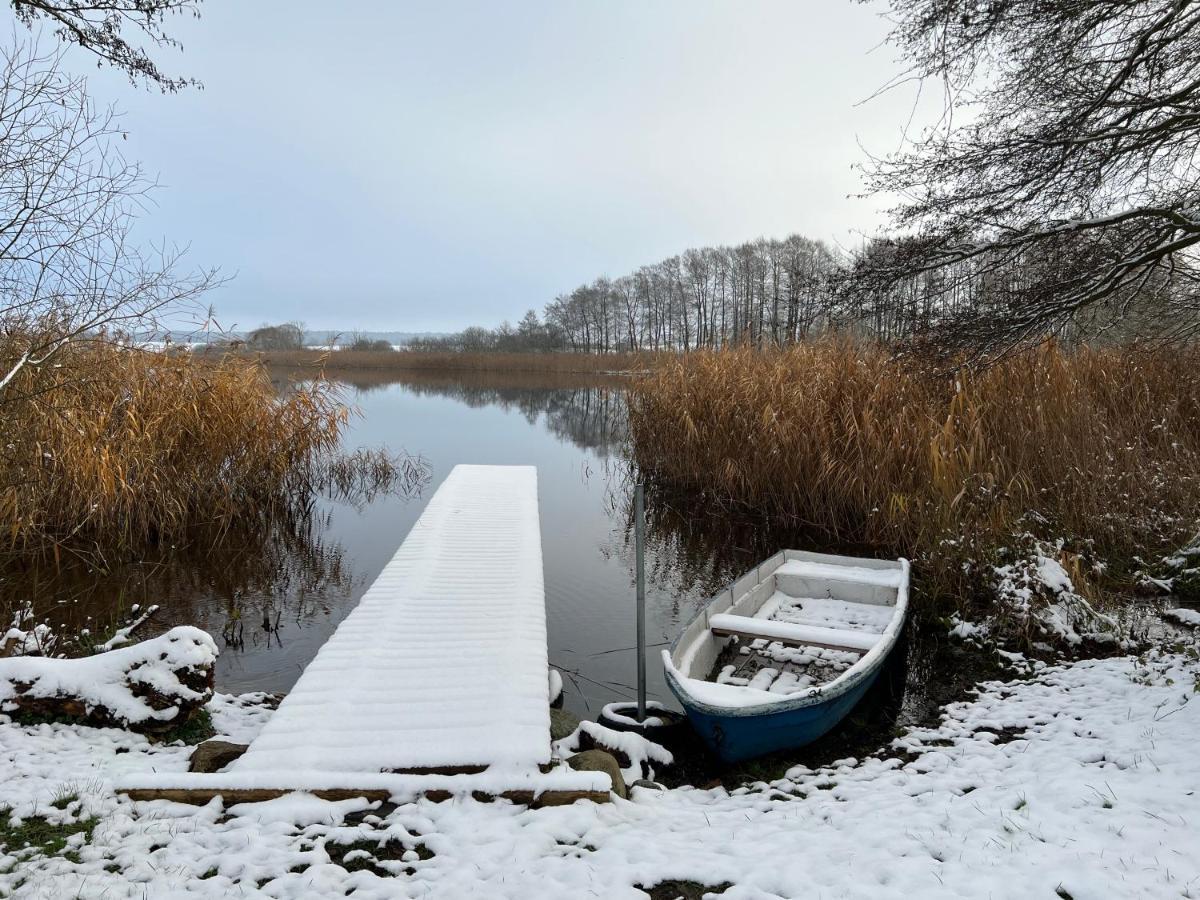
(417, 360)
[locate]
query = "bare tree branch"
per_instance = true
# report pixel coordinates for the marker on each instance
(1077, 156)
(97, 26)
(68, 200)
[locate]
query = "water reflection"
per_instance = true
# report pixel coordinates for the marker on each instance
(587, 410)
(253, 590)
(273, 599)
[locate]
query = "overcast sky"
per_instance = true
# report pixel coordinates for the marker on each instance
(426, 166)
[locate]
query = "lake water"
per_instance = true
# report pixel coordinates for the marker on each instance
(272, 604)
(573, 430)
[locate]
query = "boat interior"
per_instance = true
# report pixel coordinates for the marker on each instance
(797, 621)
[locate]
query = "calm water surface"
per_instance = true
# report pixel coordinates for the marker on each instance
(272, 603)
(574, 433)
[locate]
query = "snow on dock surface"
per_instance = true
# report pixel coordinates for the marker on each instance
(443, 662)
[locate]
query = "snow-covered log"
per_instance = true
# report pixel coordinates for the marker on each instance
(150, 687)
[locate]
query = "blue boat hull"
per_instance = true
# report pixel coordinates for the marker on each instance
(736, 736)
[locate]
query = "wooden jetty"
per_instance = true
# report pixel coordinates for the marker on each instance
(434, 685)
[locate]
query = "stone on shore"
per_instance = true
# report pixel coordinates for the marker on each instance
(213, 755)
(562, 724)
(599, 761)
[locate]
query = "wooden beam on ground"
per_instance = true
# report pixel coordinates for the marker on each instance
(231, 796)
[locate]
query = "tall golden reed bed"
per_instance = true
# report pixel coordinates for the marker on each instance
(1101, 446)
(110, 449)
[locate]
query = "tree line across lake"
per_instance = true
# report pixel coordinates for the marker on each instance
(773, 293)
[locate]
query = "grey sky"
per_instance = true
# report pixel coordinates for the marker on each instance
(428, 166)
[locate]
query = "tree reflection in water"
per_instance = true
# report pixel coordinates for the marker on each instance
(273, 591)
(587, 410)
(250, 582)
(243, 583)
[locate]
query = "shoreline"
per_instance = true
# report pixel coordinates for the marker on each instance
(607, 364)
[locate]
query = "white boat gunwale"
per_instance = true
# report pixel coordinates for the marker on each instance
(865, 666)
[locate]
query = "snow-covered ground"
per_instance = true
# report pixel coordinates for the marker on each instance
(1082, 781)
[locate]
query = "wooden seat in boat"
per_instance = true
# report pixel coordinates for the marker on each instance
(726, 624)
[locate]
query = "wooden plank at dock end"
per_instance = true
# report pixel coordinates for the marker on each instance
(230, 796)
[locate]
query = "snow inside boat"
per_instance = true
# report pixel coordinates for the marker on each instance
(784, 653)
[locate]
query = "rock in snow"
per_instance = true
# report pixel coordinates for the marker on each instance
(562, 724)
(214, 755)
(599, 761)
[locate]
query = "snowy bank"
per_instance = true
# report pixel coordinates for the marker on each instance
(1082, 780)
(151, 686)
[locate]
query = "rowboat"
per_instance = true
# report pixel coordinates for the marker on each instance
(785, 652)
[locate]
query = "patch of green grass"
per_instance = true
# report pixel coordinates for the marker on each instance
(45, 838)
(62, 801)
(21, 717)
(195, 730)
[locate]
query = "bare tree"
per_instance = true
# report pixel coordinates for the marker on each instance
(69, 271)
(98, 25)
(766, 291)
(1069, 146)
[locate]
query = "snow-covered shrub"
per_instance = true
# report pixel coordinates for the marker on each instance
(25, 639)
(1036, 600)
(151, 686)
(636, 755)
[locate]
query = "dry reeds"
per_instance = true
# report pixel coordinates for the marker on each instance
(112, 449)
(1095, 445)
(414, 360)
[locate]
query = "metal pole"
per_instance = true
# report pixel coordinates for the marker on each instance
(639, 543)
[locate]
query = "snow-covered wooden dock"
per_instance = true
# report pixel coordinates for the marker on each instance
(436, 682)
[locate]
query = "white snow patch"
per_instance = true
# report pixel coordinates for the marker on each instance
(1184, 616)
(1037, 589)
(1081, 780)
(640, 752)
(888, 577)
(968, 631)
(122, 635)
(616, 712)
(301, 809)
(38, 640)
(825, 612)
(101, 680)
